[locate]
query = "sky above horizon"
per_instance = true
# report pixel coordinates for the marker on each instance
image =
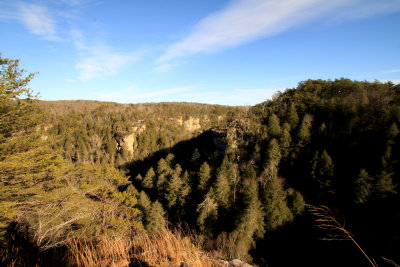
(237, 52)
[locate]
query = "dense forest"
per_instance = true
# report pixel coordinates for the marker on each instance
(310, 177)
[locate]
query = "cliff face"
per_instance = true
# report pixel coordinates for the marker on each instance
(192, 124)
(129, 142)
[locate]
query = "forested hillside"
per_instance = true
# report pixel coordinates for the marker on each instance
(265, 184)
(101, 132)
(331, 143)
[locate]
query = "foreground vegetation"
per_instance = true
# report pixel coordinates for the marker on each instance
(88, 183)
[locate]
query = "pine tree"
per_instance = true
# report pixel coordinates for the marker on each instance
(183, 193)
(273, 153)
(163, 172)
(322, 172)
(155, 219)
(170, 159)
(15, 114)
(296, 203)
(132, 190)
(384, 185)
(173, 187)
(148, 181)
(303, 135)
(222, 185)
(322, 131)
(274, 128)
(234, 178)
(250, 225)
(139, 178)
(363, 187)
(250, 173)
(273, 158)
(203, 176)
(277, 212)
(292, 117)
(207, 212)
(111, 146)
(144, 204)
(285, 140)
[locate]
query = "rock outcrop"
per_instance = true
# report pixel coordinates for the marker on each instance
(129, 141)
(192, 124)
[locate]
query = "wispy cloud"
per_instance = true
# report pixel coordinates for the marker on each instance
(135, 94)
(391, 71)
(7, 11)
(395, 81)
(38, 19)
(162, 93)
(100, 60)
(197, 93)
(51, 22)
(250, 96)
(188, 93)
(165, 67)
(244, 21)
(79, 2)
(115, 95)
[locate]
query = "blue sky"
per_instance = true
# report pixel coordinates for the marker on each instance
(236, 52)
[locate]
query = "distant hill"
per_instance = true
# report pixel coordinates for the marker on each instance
(94, 131)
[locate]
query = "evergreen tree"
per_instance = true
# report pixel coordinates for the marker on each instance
(163, 171)
(296, 203)
(183, 193)
(326, 165)
(273, 153)
(250, 224)
(222, 185)
(144, 205)
(303, 135)
(322, 131)
(234, 177)
(322, 172)
(277, 212)
(173, 187)
(139, 178)
(132, 190)
(207, 212)
(285, 140)
(274, 127)
(155, 219)
(148, 181)
(384, 185)
(170, 159)
(273, 158)
(111, 146)
(250, 173)
(292, 117)
(16, 114)
(203, 176)
(363, 187)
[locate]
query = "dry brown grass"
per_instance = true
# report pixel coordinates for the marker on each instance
(169, 248)
(335, 230)
(107, 251)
